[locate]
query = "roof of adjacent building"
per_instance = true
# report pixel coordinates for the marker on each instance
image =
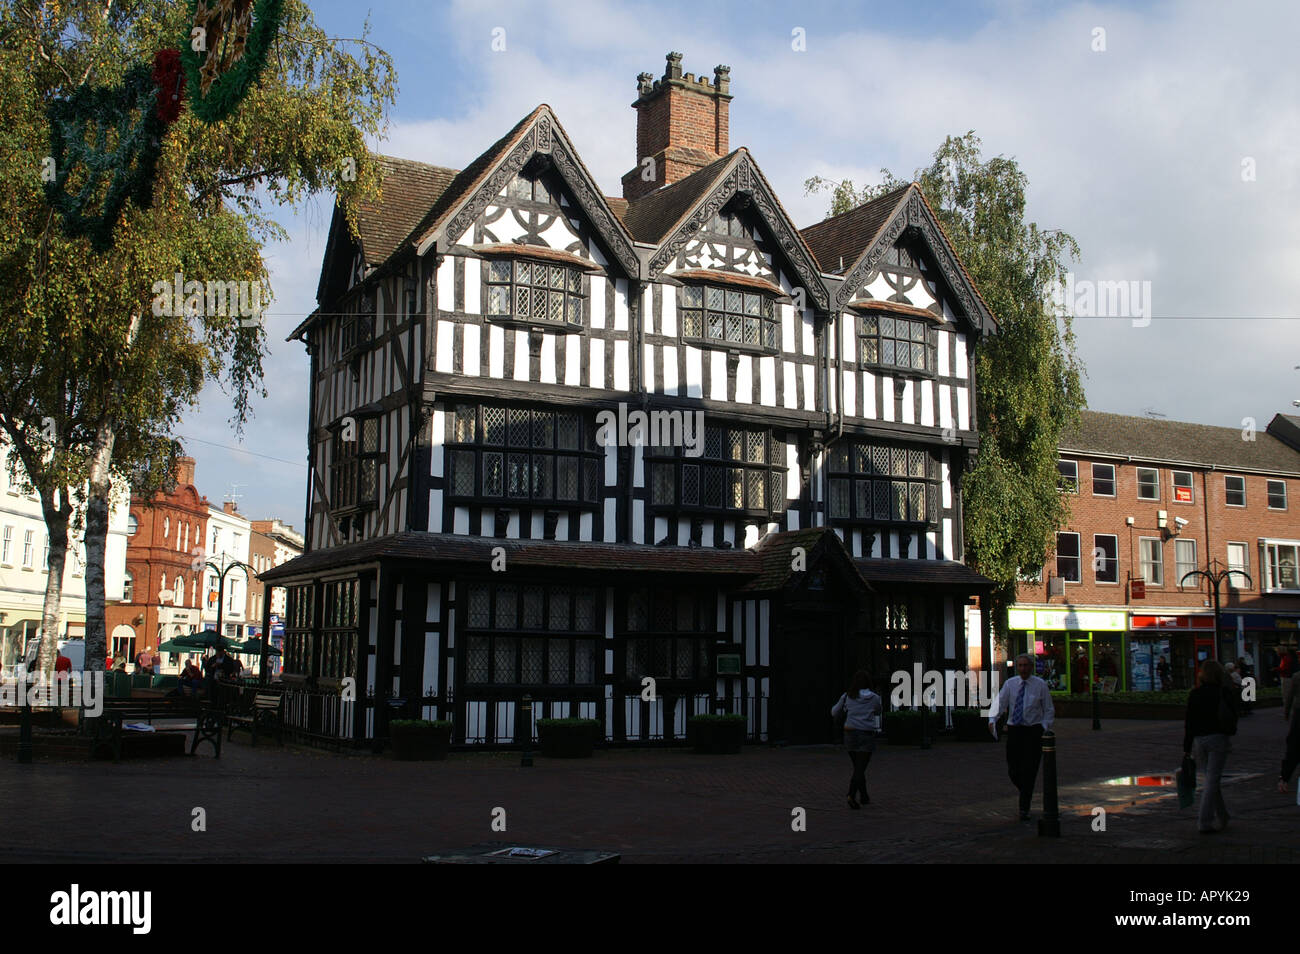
(1198, 445)
(944, 574)
(839, 241)
(409, 190)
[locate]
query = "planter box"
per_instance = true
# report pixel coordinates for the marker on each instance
(567, 738)
(423, 742)
(716, 735)
(970, 727)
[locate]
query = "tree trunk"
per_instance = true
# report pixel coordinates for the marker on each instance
(56, 524)
(97, 511)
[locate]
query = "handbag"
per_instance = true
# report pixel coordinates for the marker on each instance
(1186, 778)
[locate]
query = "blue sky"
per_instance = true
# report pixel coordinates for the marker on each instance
(1138, 150)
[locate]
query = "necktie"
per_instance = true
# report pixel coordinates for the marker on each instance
(1018, 713)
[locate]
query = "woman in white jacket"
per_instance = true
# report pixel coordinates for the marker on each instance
(861, 726)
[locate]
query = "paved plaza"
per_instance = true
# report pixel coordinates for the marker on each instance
(952, 803)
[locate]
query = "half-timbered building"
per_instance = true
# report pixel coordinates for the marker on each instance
(485, 517)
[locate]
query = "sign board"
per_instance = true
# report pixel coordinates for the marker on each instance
(277, 625)
(728, 664)
(1183, 494)
(1138, 589)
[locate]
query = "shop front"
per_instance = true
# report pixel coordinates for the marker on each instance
(1073, 649)
(1166, 652)
(1261, 639)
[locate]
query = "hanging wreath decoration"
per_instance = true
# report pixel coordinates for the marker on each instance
(126, 115)
(170, 80)
(225, 51)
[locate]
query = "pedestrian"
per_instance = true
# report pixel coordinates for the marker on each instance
(119, 663)
(861, 708)
(191, 678)
(1290, 712)
(1211, 719)
(1028, 703)
(144, 661)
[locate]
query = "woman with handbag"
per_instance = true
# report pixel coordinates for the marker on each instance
(860, 709)
(1211, 719)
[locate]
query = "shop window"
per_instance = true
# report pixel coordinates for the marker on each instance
(1103, 480)
(1067, 480)
(1151, 552)
(1277, 495)
(1148, 480)
(1238, 559)
(1185, 560)
(1067, 557)
(1234, 489)
(1105, 557)
(1183, 492)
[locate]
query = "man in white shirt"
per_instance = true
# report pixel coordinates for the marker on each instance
(1029, 703)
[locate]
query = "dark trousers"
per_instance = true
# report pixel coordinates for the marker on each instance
(858, 783)
(1292, 757)
(1024, 752)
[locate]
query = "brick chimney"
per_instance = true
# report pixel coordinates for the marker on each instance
(229, 507)
(185, 471)
(681, 126)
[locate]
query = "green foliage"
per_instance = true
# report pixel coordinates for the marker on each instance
(1028, 376)
(227, 90)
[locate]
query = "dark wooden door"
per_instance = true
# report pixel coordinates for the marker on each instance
(814, 676)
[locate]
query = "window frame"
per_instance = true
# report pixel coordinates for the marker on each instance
(716, 457)
(1112, 479)
(574, 289)
(1113, 559)
(1174, 487)
(1064, 482)
(1138, 474)
(1269, 491)
(1234, 581)
(351, 460)
(1077, 556)
(480, 448)
(513, 634)
(1181, 542)
(768, 316)
(869, 318)
(1159, 563)
(6, 544)
(29, 538)
(853, 473)
(1271, 565)
(1227, 493)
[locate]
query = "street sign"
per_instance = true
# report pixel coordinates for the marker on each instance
(1138, 589)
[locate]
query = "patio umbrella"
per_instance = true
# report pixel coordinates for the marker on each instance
(208, 639)
(254, 648)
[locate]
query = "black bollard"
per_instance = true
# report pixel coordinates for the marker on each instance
(1049, 826)
(1096, 707)
(526, 714)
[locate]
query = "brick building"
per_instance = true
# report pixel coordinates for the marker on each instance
(1150, 502)
(163, 589)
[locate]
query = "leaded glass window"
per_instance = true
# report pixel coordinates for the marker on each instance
(728, 316)
(740, 469)
(882, 483)
(534, 291)
(892, 341)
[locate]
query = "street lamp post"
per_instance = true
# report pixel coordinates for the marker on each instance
(1215, 576)
(221, 572)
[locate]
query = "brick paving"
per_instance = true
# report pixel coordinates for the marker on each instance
(952, 803)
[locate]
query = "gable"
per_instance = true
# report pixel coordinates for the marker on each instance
(731, 240)
(904, 276)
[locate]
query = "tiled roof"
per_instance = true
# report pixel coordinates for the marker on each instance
(935, 573)
(652, 217)
(776, 553)
(847, 235)
(409, 189)
(1201, 445)
(534, 554)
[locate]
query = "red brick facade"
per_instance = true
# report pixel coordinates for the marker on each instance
(159, 555)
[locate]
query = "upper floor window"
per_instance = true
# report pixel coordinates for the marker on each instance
(1282, 566)
(1103, 480)
(738, 469)
(128, 588)
(532, 189)
(1238, 560)
(1277, 495)
(522, 454)
(1148, 483)
(27, 548)
(1234, 489)
(1105, 557)
(354, 466)
(1183, 487)
(1067, 557)
(167, 526)
(535, 292)
(358, 327)
(724, 223)
(1068, 476)
(132, 525)
(1152, 558)
(728, 316)
(883, 484)
(890, 341)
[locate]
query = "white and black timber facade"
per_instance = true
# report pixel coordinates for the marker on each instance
(469, 537)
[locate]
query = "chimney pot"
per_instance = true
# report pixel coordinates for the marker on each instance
(674, 68)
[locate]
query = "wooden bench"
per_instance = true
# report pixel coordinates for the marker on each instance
(265, 713)
(110, 727)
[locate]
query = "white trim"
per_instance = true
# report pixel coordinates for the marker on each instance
(1114, 479)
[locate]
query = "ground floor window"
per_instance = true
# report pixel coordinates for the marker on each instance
(530, 634)
(517, 660)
